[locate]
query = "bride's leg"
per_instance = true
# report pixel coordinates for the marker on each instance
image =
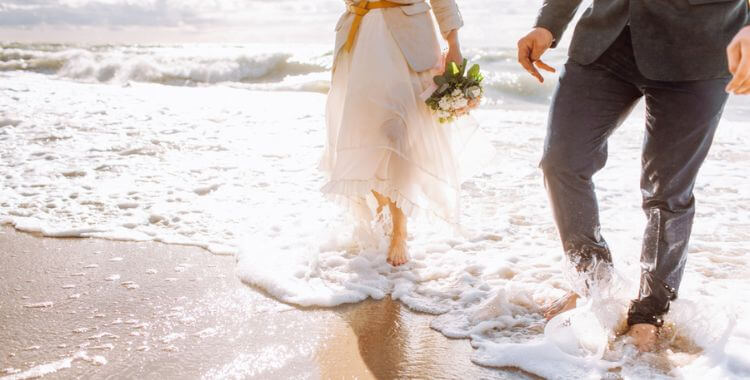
(382, 201)
(397, 252)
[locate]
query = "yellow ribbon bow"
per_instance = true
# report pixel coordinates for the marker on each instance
(359, 11)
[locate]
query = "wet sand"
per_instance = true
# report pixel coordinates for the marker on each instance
(109, 309)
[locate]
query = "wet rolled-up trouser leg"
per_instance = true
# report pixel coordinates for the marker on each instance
(681, 118)
(588, 105)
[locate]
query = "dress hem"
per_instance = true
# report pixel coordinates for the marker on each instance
(353, 193)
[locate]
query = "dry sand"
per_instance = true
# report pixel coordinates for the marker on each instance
(149, 310)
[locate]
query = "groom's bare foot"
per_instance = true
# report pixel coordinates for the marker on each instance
(644, 336)
(561, 305)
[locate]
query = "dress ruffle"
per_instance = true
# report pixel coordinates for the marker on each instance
(382, 137)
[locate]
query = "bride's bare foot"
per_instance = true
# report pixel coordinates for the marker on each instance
(397, 252)
(644, 336)
(561, 305)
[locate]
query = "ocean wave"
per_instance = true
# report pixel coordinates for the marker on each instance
(274, 69)
(159, 65)
(518, 86)
(506, 80)
(483, 56)
(306, 84)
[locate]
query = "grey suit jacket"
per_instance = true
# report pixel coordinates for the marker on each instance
(673, 40)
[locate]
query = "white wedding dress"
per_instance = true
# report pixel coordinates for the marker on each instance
(383, 137)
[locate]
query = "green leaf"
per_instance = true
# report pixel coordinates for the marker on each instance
(463, 67)
(453, 69)
(474, 71)
(443, 87)
(439, 80)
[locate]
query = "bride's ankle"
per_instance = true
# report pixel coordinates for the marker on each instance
(399, 230)
(398, 236)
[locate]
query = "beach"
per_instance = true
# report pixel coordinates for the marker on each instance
(233, 172)
(92, 308)
(162, 217)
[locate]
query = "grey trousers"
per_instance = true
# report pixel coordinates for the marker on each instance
(681, 117)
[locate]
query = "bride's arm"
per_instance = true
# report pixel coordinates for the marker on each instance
(449, 20)
(454, 48)
(448, 16)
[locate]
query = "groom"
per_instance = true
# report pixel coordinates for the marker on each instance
(683, 57)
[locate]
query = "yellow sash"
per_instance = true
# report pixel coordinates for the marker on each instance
(359, 11)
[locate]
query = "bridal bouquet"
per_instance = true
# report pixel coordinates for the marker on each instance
(458, 92)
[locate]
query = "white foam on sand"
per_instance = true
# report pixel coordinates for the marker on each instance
(39, 305)
(234, 171)
(161, 163)
(45, 369)
(488, 285)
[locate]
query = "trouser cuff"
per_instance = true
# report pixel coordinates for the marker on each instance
(652, 303)
(637, 316)
(588, 267)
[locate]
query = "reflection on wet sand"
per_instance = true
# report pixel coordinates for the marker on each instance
(190, 318)
(384, 340)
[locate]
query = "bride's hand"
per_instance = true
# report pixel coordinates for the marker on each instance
(454, 48)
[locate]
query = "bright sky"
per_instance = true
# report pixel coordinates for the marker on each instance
(164, 20)
(224, 21)
(152, 12)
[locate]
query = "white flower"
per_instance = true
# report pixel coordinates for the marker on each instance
(475, 91)
(456, 92)
(444, 114)
(460, 103)
(444, 103)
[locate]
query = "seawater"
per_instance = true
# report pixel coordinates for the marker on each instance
(216, 145)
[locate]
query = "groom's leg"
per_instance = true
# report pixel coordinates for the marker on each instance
(589, 104)
(680, 124)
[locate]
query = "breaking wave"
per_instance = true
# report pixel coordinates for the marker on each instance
(274, 69)
(179, 65)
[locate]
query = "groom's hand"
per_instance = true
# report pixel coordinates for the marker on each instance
(738, 54)
(530, 50)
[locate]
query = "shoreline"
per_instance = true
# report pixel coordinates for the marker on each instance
(96, 308)
(150, 162)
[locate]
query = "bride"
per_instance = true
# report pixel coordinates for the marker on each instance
(383, 143)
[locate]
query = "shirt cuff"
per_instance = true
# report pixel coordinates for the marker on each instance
(556, 30)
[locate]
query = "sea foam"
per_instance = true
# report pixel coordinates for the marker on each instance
(153, 146)
(183, 66)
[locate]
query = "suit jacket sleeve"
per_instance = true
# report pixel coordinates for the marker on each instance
(555, 16)
(447, 14)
